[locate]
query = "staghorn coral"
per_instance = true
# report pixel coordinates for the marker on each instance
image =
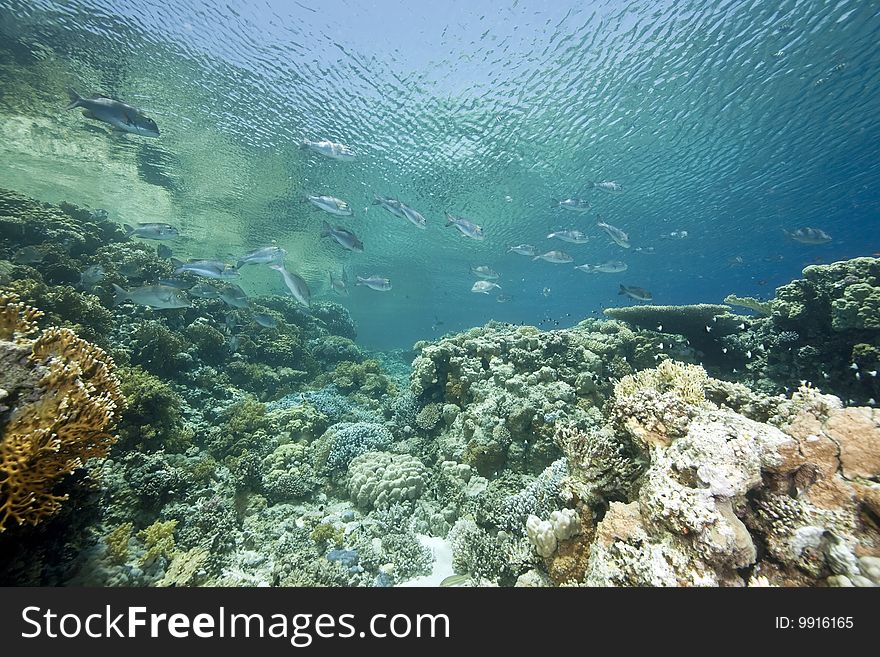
(61, 398)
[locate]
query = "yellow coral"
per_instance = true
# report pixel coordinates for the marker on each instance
(687, 382)
(158, 540)
(69, 398)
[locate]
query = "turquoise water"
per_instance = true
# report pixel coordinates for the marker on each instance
(730, 121)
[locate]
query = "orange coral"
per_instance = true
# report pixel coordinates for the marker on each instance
(69, 398)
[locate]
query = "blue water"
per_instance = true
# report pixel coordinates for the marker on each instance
(728, 120)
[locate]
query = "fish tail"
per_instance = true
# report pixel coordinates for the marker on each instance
(449, 221)
(120, 295)
(326, 229)
(376, 200)
(75, 99)
(129, 230)
(622, 290)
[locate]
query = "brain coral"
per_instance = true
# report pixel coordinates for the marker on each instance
(378, 479)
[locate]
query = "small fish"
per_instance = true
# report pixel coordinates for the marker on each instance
(571, 236)
(234, 296)
(98, 215)
(119, 115)
(155, 296)
(466, 226)
(295, 284)
(339, 284)
(872, 373)
(414, 217)
(546, 292)
(231, 321)
(164, 251)
(233, 343)
(28, 255)
(204, 291)
(91, 276)
(266, 321)
(853, 366)
(617, 236)
(608, 186)
(176, 283)
(261, 256)
(556, 257)
(637, 293)
(608, 267)
(330, 204)
(573, 204)
(808, 236)
(206, 268)
(393, 206)
(151, 231)
(485, 272)
(723, 350)
(329, 149)
(708, 329)
(375, 283)
(522, 249)
(484, 287)
(749, 353)
(343, 237)
(455, 580)
(502, 298)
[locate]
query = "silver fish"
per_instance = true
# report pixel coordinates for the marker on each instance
(343, 237)
(502, 298)
(608, 186)
(164, 251)
(574, 205)
(330, 204)
(155, 296)
(91, 276)
(393, 206)
(808, 236)
(484, 287)
(375, 283)
(556, 257)
(466, 226)
(607, 267)
(485, 272)
(176, 283)
(119, 115)
(295, 284)
(266, 321)
(234, 296)
(522, 249)
(204, 291)
(414, 217)
(206, 268)
(339, 284)
(617, 236)
(28, 255)
(261, 256)
(151, 231)
(329, 149)
(637, 293)
(572, 236)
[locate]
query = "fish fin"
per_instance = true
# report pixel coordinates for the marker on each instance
(326, 229)
(128, 230)
(75, 99)
(120, 295)
(177, 263)
(622, 290)
(449, 221)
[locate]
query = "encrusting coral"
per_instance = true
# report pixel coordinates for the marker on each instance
(60, 398)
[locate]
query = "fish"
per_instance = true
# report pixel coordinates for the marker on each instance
(573, 204)
(28, 255)
(234, 296)
(485, 272)
(608, 186)
(522, 249)
(176, 283)
(502, 298)
(206, 268)
(261, 256)
(455, 580)
(151, 231)
(204, 291)
(375, 283)
(637, 293)
(808, 236)
(343, 237)
(414, 217)
(164, 251)
(572, 236)
(556, 257)
(98, 215)
(91, 276)
(130, 270)
(331, 204)
(155, 296)
(393, 206)
(295, 284)
(119, 115)
(339, 284)
(607, 267)
(233, 342)
(484, 287)
(266, 321)
(466, 226)
(329, 149)
(617, 236)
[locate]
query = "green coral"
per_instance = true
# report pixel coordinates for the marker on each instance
(326, 534)
(158, 540)
(859, 308)
(152, 418)
(264, 381)
(208, 341)
(117, 543)
(366, 379)
(156, 347)
(288, 473)
(302, 422)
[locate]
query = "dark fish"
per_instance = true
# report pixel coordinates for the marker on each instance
(266, 321)
(204, 291)
(343, 237)
(234, 296)
(176, 283)
(28, 255)
(119, 115)
(164, 251)
(91, 276)
(467, 227)
(637, 293)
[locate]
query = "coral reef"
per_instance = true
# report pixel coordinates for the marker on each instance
(378, 479)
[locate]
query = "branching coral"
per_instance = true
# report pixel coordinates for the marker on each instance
(63, 398)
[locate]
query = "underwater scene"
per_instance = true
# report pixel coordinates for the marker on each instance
(461, 294)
